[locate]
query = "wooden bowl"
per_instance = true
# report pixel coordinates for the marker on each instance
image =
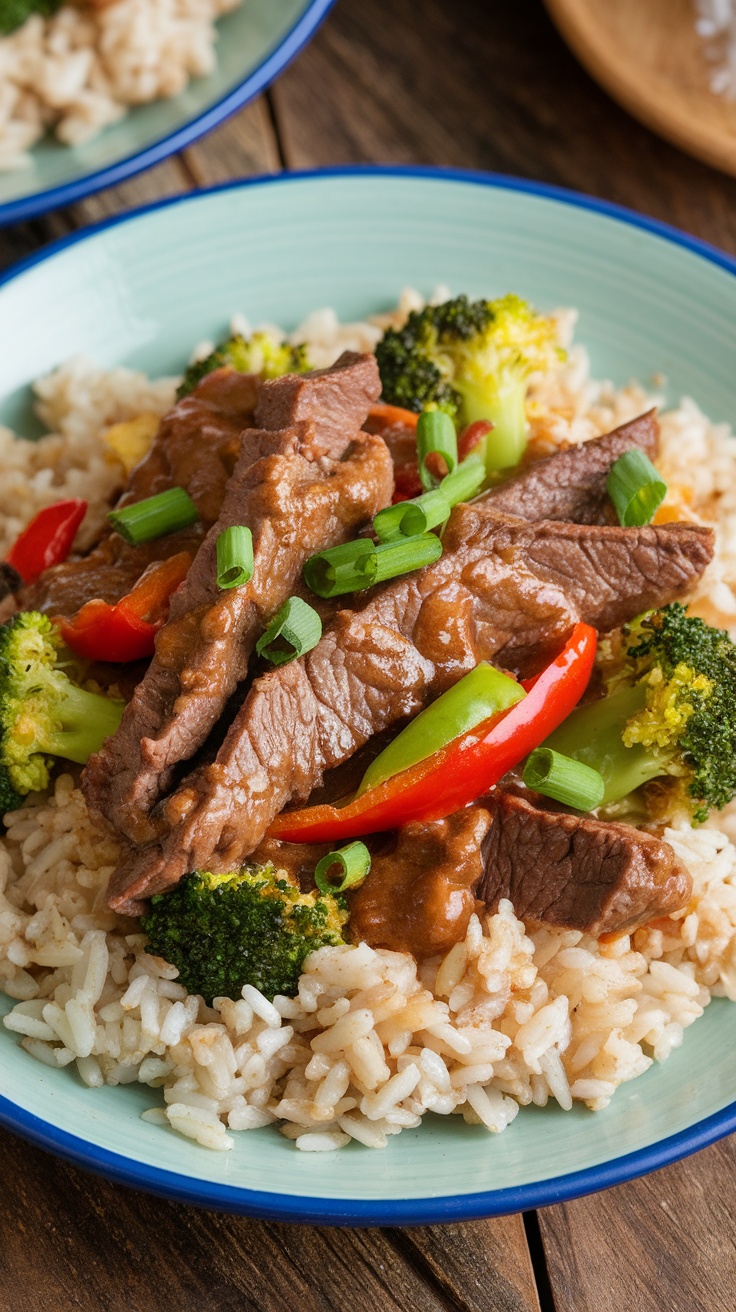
(647, 54)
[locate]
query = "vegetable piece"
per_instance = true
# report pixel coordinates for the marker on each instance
(635, 488)
(294, 630)
(463, 770)
(480, 695)
(436, 444)
(166, 512)
(353, 862)
(472, 436)
(42, 713)
(252, 926)
(47, 540)
(393, 414)
(127, 631)
(132, 439)
(235, 563)
(14, 13)
(465, 481)
(354, 566)
(567, 781)
(262, 353)
(473, 360)
(407, 519)
(669, 711)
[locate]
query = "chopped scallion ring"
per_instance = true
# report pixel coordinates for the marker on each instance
(636, 488)
(234, 557)
(337, 570)
(465, 481)
(143, 521)
(567, 781)
(409, 518)
(353, 863)
(436, 436)
(402, 555)
(294, 630)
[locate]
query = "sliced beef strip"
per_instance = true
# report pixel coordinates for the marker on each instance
(506, 591)
(196, 447)
(575, 872)
(571, 485)
(299, 488)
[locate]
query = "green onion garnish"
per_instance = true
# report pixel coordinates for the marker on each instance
(465, 481)
(409, 518)
(636, 488)
(403, 555)
(353, 863)
(234, 557)
(143, 521)
(337, 570)
(354, 566)
(294, 630)
(564, 779)
(435, 434)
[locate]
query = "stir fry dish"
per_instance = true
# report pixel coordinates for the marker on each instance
(386, 697)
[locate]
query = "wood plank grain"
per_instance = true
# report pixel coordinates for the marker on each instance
(69, 1241)
(243, 146)
(484, 86)
(665, 1243)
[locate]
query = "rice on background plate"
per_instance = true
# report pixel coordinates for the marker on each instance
(81, 69)
(372, 1041)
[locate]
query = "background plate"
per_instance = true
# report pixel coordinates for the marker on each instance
(254, 45)
(140, 291)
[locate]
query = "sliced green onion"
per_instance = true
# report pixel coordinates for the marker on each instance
(465, 481)
(294, 630)
(354, 566)
(143, 521)
(636, 488)
(482, 693)
(435, 433)
(353, 863)
(234, 557)
(403, 555)
(346, 568)
(564, 779)
(409, 518)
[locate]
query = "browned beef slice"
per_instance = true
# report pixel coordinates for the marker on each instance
(573, 871)
(296, 500)
(509, 591)
(196, 447)
(572, 484)
(419, 893)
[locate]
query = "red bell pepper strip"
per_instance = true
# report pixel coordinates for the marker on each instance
(464, 769)
(47, 540)
(126, 631)
(472, 436)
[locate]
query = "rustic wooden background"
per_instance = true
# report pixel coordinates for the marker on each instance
(484, 85)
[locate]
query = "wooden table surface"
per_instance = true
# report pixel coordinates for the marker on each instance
(480, 85)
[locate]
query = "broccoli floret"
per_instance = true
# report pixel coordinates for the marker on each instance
(14, 13)
(262, 353)
(669, 710)
(42, 713)
(472, 359)
(252, 926)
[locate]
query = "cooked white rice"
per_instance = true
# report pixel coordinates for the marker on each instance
(371, 1042)
(81, 69)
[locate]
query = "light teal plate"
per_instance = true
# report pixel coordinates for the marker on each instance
(254, 44)
(140, 291)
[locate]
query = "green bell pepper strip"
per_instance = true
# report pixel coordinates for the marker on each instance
(592, 734)
(482, 693)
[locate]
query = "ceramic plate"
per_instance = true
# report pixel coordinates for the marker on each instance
(254, 44)
(140, 291)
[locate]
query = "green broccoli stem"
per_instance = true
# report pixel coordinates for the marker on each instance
(502, 404)
(592, 734)
(86, 719)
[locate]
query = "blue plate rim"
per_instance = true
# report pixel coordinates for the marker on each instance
(412, 1211)
(274, 63)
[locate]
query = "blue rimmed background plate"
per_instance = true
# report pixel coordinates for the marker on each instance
(140, 291)
(255, 43)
